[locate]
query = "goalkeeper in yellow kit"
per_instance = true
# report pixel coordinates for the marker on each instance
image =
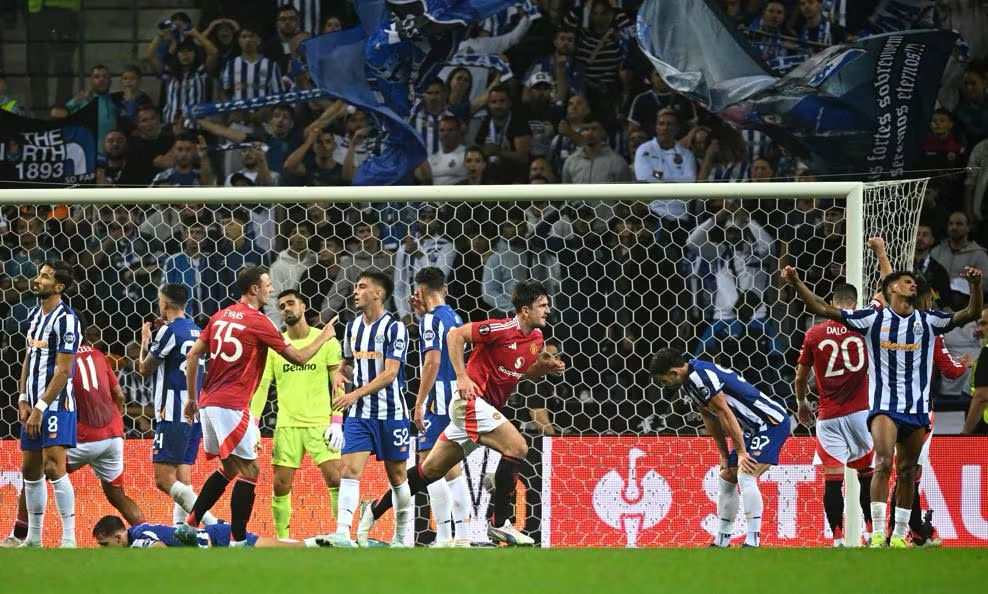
(307, 422)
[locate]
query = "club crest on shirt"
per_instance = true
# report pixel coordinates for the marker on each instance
(533, 348)
(917, 327)
(379, 339)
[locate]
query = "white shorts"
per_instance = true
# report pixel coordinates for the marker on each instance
(105, 457)
(924, 454)
(468, 420)
(227, 432)
(844, 441)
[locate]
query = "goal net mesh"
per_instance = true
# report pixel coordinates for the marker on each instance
(612, 460)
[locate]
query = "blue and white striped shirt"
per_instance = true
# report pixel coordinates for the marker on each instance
(249, 80)
(183, 90)
(49, 334)
(433, 328)
(368, 345)
(754, 410)
(900, 356)
(170, 345)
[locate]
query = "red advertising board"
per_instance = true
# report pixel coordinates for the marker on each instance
(662, 492)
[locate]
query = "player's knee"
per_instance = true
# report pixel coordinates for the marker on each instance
(164, 483)
(730, 475)
(54, 469)
(282, 487)
(883, 463)
(250, 469)
(905, 470)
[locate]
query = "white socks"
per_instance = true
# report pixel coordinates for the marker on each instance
(185, 498)
(65, 502)
(752, 498)
(348, 502)
(460, 498)
(36, 499)
(901, 522)
(727, 511)
(878, 516)
(402, 498)
(439, 499)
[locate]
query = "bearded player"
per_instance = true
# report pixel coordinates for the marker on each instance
(506, 351)
(237, 339)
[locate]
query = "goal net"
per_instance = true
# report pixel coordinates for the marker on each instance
(613, 459)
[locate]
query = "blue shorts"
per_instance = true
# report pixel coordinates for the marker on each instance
(387, 439)
(57, 429)
(435, 424)
(176, 442)
(218, 535)
(763, 446)
(905, 423)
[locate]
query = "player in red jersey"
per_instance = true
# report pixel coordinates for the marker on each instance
(505, 352)
(237, 339)
(839, 362)
(99, 436)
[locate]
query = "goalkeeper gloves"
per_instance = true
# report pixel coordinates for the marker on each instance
(334, 434)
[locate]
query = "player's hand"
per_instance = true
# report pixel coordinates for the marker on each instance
(345, 401)
(145, 333)
(876, 244)
(339, 384)
(334, 436)
(33, 424)
(191, 410)
(552, 364)
(418, 417)
(972, 275)
(805, 413)
(23, 412)
(417, 305)
(747, 464)
(467, 388)
(329, 330)
(789, 275)
(967, 361)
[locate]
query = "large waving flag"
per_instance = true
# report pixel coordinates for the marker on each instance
(856, 108)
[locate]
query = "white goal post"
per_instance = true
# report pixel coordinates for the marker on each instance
(868, 209)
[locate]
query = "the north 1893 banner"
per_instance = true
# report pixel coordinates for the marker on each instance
(48, 151)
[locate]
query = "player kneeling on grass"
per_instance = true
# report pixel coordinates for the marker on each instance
(505, 352)
(730, 406)
(110, 531)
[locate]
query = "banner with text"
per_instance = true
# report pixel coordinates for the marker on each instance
(48, 151)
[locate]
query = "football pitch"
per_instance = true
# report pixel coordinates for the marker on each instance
(494, 570)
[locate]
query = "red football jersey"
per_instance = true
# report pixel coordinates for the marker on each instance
(238, 338)
(93, 382)
(944, 362)
(501, 356)
(840, 364)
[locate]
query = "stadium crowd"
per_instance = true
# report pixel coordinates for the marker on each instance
(563, 95)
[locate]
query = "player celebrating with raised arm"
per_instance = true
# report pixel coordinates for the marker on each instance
(449, 497)
(110, 532)
(307, 421)
(731, 407)
(237, 339)
(47, 402)
(505, 352)
(374, 346)
(176, 441)
(900, 343)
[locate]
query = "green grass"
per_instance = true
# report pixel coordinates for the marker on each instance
(500, 571)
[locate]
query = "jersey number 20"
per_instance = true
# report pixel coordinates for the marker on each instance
(843, 350)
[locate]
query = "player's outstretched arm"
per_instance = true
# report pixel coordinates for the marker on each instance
(545, 365)
(814, 304)
(976, 303)
(877, 245)
(456, 341)
(302, 356)
(802, 385)
(199, 349)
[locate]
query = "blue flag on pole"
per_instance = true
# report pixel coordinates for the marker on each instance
(856, 108)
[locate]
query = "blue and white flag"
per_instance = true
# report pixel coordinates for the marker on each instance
(859, 108)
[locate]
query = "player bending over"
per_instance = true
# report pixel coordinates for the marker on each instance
(176, 441)
(731, 407)
(505, 352)
(237, 339)
(111, 532)
(899, 340)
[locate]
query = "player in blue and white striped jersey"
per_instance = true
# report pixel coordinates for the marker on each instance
(449, 496)
(47, 404)
(374, 346)
(176, 441)
(731, 407)
(900, 343)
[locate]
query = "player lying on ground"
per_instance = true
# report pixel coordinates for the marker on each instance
(111, 532)
(899, 340)
(505, 352)
(731, 407)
